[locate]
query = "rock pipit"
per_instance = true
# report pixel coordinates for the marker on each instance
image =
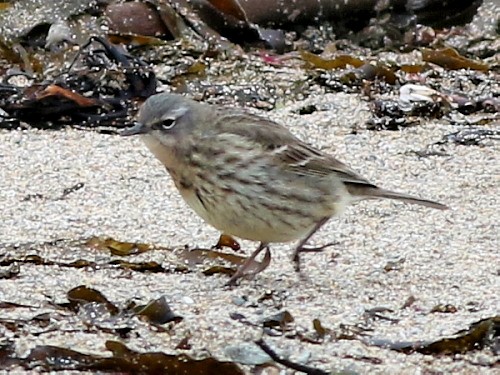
(248, 176)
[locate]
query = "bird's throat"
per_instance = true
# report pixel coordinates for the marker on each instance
(166, 155)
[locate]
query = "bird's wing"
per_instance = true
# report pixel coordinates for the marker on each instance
(286, 149)
(306, 160)
(272, 140)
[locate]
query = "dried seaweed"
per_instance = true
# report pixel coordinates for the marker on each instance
(481, 334)
(123, 360)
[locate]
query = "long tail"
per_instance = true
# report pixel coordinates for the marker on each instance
(361, 191)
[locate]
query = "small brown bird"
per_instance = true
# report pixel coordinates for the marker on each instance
(248, 176)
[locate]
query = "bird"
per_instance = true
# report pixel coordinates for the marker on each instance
(250, 177)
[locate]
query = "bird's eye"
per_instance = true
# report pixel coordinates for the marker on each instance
(166, 124)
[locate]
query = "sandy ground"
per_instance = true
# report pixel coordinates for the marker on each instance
(442, 257)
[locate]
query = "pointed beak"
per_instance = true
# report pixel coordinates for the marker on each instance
(138, 128)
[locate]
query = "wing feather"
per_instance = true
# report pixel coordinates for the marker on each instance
(285, 149)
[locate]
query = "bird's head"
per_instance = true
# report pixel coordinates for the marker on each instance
(164, 117)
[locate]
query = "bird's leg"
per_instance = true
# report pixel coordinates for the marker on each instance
(300, 246)
(242, 270)
(261, 266)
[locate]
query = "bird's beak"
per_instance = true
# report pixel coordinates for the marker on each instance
(138, 128)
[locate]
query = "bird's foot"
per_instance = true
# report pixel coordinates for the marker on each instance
(250, 267)
(304, 249)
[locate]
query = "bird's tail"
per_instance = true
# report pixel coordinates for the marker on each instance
(360, 191)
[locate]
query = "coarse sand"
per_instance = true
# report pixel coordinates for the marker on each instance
(385, 252)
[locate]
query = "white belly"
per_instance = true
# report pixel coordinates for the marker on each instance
(255, 221)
